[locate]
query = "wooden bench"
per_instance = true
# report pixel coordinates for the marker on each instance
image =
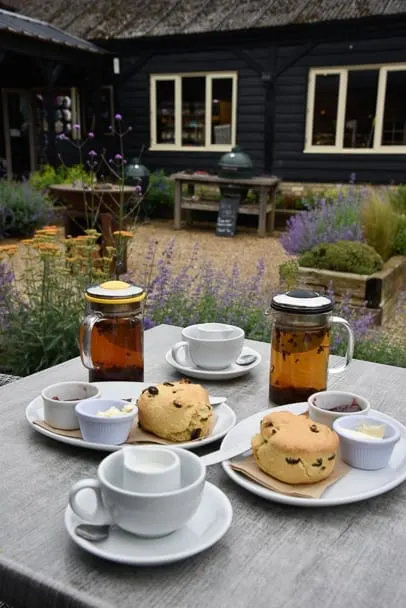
(263, 185)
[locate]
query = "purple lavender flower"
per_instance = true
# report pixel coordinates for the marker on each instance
(92, 153)
(75, 127)
(326, 222)
(90, 135)
(118, 157)
(118, 117)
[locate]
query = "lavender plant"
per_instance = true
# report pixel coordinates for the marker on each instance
(22, 209)
(200, 293)
(326, 222)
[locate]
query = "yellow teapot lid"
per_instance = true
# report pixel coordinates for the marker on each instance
(114, 292)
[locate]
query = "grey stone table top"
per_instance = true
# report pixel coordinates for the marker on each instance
(273, 556)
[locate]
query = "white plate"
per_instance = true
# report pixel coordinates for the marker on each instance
(355, 486)
(210, 522)
(226, 417)
(232, 371)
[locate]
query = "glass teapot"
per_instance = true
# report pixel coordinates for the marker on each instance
(300, 345)
(112, 332)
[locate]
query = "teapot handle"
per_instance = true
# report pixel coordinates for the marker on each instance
(86, 338)
(350, 346)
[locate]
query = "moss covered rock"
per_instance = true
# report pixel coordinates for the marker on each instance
(343, 256)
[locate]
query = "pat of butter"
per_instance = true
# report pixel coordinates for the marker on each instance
(111, 413)
(372, 430)
(366, 431)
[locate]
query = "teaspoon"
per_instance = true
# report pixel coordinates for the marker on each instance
(93, 532)
(246, 359)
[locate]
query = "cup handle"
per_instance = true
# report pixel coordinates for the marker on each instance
(350, 346)
(86, 338)
(99, 517)
(179, 346)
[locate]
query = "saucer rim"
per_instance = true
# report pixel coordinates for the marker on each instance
(97, 548)
(229, 371)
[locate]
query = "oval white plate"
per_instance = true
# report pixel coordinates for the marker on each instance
(357, 485)
(226, 417)
(233, 371)
(210, 522)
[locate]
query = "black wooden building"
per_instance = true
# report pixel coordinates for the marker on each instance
(313, 90)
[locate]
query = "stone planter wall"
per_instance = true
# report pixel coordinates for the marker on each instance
(378, 291)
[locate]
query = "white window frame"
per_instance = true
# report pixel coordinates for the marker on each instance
(342, 72)
(177, 79)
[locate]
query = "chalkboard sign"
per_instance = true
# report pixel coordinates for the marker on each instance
(227, 216)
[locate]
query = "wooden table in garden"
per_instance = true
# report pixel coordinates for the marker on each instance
(265, 210)
(79, 202)
(273, 556)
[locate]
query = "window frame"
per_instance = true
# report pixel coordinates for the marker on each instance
(177, 79)
(342, 72)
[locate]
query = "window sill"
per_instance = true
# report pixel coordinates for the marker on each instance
(331, 150)
(174, 148)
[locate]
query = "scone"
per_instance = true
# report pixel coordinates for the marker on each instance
(176, 411)
(294, 449)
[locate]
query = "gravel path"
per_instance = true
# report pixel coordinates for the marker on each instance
(246, 249)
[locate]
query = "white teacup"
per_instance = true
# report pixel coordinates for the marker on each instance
(219, 348)
(147, 514)
(153, 471)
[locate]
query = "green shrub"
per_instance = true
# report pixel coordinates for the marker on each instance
(22, 209)
(400, 240)
(343, 256)
(160, 193)
(47, 176)
(379, 222)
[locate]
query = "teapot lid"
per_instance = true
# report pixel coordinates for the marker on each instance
(114, 292)
(301, 301)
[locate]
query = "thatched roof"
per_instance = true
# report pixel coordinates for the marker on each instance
(106, 19)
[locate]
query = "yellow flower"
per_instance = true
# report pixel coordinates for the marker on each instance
(50, 247)
(124, 233)
(27, 241)
(8, 249)
(92, 232)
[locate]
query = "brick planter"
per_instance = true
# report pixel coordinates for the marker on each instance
(378, 291)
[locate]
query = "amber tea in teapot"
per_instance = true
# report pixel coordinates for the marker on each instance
(300, 345)
(112, 332)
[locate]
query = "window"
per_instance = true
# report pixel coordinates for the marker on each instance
(357, 110)
(193, 111)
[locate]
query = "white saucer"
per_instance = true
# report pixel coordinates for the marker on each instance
(232, 371)
(226, 417)
(210, 522)
(355, 486)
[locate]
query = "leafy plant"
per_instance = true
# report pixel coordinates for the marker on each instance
(379, 222)
(160, 193)
(44, 307)
(343, 256)
(22, 209)
(327, 222)
(400, 239)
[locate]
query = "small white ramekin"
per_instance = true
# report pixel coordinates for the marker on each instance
(366, 453)
(60, 413)
(320, 405)
(98, 429)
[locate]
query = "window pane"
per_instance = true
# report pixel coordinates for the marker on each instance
(325, 109)
(394, 122)
(221, 117)
(193, 110)
(165, 111)
(360, 109)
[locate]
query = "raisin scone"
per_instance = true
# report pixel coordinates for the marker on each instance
(294, 449)
(176, 411)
